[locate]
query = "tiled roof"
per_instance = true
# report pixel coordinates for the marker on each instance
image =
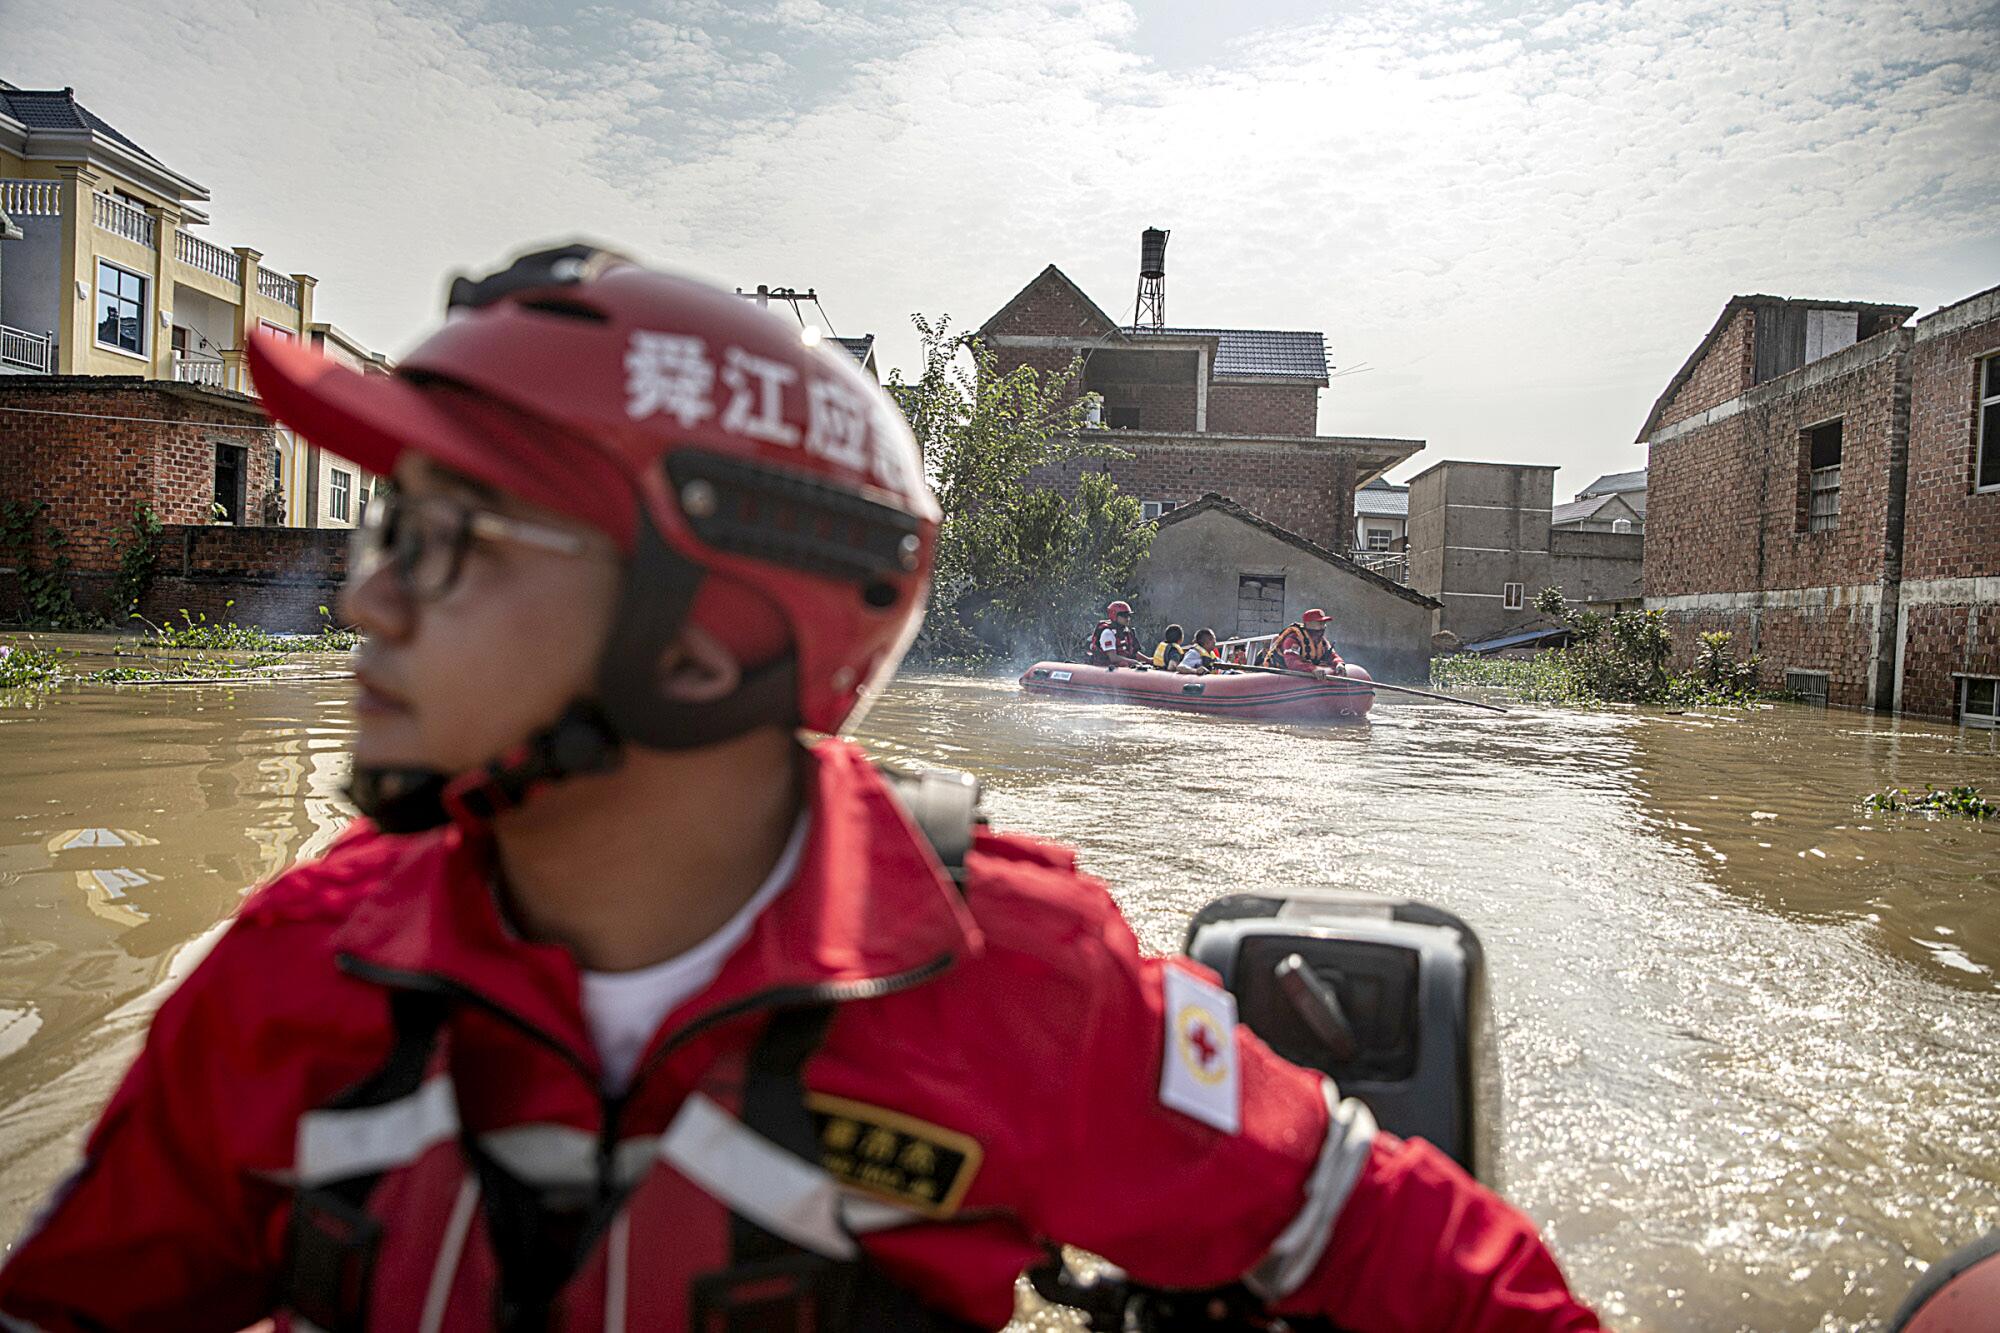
(1383, 500)
(1613, 482)
(1266, 353)
(858, 348)
(58, 109)
(1591, 506)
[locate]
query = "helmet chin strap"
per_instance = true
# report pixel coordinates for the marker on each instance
(411, 800)
(590, 736)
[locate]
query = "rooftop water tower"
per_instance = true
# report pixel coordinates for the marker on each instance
(1150, 311)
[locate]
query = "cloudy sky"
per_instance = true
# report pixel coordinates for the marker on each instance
(1512, 220)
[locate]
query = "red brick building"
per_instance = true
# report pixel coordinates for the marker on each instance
(1815, 489)
(1233, 411)
(93, 448)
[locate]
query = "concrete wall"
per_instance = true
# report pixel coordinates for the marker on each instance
(1191, 578)
(1474, 528)
(1597, 570)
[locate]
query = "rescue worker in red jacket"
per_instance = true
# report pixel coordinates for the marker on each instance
(1304, 646)
(624, 1007)
(1114, 643)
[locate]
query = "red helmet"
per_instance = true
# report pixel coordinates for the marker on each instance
(1314, 617)
(747, 475)
(1118, 609)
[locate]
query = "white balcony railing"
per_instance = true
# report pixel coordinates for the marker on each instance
(27, 351)
(1389, 564)
(121, 219)
(30, 199)
(193, 368)
(278, 287)
(208, 257)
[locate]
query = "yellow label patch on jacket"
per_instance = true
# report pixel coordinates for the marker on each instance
(903, 1159)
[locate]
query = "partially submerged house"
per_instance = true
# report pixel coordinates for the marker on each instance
(1824, 484)
(1218, 564)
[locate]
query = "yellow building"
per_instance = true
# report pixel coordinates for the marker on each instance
(109, 275)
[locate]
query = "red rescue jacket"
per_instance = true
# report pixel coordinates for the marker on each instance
(1124, 643)
(1296, 650)
(987, 1075)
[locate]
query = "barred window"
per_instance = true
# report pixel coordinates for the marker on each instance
(1822, 450)
(1986, 474)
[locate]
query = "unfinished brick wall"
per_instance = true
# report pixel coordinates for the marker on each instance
(1951, 544)
(274, 578)
(93, 448)
(1263, 409)
(1728, 368)
(1836, 639)
(1726, 502)
(1308, 489)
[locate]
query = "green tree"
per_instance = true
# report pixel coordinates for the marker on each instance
(1021, 568)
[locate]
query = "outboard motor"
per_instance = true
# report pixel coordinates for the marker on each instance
(1388, 998)
(1385, 996)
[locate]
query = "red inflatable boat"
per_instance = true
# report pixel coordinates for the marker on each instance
(1263, 698)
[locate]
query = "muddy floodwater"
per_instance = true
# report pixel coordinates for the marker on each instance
(1751, 1036)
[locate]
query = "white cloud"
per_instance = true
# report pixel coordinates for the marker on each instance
(1522, 221)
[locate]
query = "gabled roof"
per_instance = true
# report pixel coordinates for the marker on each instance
(1256, 353)
(1263, 353)
(1607, 507)
(58, 109)
(862, 349)
(1736, 303)
(1222, 504)
(1055, 275)
(1382, 500)
(1611, 483)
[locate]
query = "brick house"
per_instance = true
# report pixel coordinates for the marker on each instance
(1797, 469)
(108, 272)
(1233, 411)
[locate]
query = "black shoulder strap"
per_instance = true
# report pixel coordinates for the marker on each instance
(945, 805)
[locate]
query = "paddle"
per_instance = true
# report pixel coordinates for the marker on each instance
(1375, 684)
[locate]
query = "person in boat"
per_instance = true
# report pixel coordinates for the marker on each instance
(1201, 658)
(1114, 643)
(624, 1004)
(1170, 649)
(1304, 646)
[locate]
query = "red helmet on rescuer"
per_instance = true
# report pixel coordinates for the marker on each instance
(748, 478)
(1314, 617)
(1118, 609)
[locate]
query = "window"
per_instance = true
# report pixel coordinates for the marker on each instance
(1511, 597)
(339, 496)
(230, 466)
(1621, 525)
(1808, 687)
(1379, 538)
(1820, 451)
(276, 330)
(1987, 477)
(1260, 604)
(1152, 509)
(121, 309)
(1979, 701)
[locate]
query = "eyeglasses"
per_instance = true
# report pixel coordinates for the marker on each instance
(425, 540)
